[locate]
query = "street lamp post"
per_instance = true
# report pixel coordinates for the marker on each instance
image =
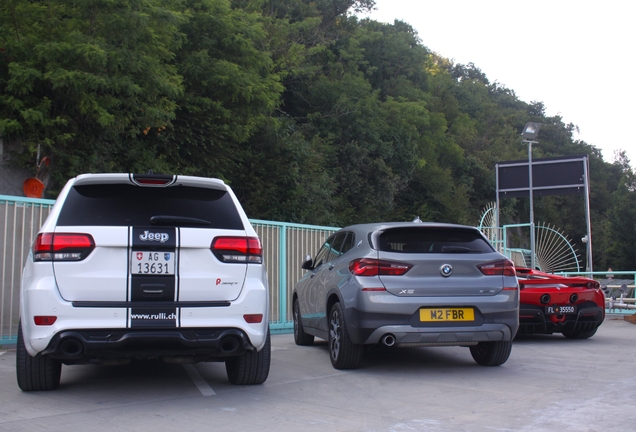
(529, 134)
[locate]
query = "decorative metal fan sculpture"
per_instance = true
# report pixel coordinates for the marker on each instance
(488, 222)
(554, 252)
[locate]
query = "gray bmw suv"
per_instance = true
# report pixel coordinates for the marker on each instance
(407, 284)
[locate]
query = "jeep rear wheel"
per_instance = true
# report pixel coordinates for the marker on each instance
(252, 367)
(343, 353)
(491, 353)
(35, 373)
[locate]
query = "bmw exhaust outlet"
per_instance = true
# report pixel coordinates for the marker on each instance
(388, 340)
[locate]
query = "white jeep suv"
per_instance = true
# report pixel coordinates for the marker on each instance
(144, 266)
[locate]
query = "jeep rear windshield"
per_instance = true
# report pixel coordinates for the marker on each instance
(129, 205)
(433, 240)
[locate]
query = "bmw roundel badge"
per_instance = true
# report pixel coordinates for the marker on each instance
(446, 270)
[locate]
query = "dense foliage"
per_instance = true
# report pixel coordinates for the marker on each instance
(311, 114)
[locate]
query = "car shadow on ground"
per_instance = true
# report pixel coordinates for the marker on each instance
(147, 376)
(380, 357)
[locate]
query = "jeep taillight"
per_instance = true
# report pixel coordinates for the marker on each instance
(62, 246)
(245, 250)
(498, 268)
(375, 267)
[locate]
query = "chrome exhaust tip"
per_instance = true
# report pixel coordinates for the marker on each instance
(388, 340)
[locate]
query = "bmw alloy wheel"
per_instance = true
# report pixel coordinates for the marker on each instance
(335, 331)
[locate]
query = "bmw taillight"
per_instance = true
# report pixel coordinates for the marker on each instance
(498, 268)
(375, 267)
(238, 250)
(62, 246)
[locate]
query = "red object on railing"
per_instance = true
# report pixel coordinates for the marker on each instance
(33, 188)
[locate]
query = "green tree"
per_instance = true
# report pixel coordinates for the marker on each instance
(79, 79)
(230, 90)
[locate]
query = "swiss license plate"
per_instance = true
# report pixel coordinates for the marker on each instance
(153, 263)
(560, 310)
(446, 314)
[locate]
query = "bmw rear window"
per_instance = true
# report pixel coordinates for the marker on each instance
(433, 240)
(129, 205)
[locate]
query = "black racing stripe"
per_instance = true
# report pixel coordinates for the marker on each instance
(178, 253)
(154, 266)
(129, 265)
(178, 278)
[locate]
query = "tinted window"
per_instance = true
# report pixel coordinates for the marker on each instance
(348, 243)
(336, 246)
(433, 240)
(129, 205)
(323, 252)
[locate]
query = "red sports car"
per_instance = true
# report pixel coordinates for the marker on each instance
(573, 306)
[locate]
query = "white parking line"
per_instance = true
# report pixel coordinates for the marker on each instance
(198, 380)
(2, 352)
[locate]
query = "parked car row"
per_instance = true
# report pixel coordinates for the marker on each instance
(146, 266)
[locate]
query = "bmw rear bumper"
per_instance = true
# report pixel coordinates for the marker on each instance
(370, 328)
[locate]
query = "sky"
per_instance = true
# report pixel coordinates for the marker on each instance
(577, 57)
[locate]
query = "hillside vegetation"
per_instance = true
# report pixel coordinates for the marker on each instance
(311, 114)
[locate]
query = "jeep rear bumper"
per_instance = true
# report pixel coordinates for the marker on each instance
(176, 345)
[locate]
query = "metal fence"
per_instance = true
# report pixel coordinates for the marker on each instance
(20, 220)
(284, 247)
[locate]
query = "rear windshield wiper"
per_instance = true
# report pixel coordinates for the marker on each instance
(459, 249)
(173, 220)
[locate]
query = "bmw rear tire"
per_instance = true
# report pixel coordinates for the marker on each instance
(491, 353)
(343, 353)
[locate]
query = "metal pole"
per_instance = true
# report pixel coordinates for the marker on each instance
(498, 234)
(532, 261)
(588, 221)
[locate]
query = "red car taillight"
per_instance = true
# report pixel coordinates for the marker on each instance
(238, 249)
(498, 268)
(62, 246)
(375, 267)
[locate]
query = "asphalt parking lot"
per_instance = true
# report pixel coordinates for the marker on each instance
(548, 384)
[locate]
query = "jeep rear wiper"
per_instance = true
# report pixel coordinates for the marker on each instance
(173, 220)
(459, 249)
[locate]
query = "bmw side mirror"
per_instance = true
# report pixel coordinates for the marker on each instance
(308, 263)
